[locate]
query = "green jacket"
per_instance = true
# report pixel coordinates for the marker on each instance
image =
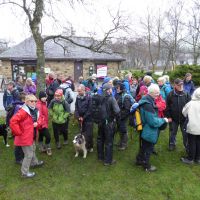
(150, 120)
(59, 111)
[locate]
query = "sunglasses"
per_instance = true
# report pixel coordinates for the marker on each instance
(33, 101)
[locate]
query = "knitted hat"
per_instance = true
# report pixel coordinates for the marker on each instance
(106, 79)
(107, 86)
(59, 92)
(42, 94)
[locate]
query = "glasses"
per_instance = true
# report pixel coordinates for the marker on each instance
(33, 101)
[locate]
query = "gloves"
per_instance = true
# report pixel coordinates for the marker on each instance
(134, 107)
(166, 120)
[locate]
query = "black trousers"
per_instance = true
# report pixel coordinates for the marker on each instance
(60, 128)
(87, 130)
(44, 133)
(19, 154)
(105, 140)
(193, 147)
(145, 153)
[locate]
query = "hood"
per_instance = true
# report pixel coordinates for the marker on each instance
(196, 94)
(146, 99)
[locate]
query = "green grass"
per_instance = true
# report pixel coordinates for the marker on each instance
(65, 177)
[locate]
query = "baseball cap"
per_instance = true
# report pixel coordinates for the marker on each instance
(178, 81)
(107, 86)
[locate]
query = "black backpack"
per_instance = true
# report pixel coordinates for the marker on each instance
(99, 108)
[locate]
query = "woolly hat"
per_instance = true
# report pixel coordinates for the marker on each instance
(106, 80)
(68, 82)
(42, 94)
(59, 92)
(107, 86)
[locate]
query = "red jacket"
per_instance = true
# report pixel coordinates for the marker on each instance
(161, 105)
(22, 128)
(43, 110)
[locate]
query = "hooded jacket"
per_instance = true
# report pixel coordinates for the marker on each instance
(192, 111)
(21, 125)
(43, 110)
(150, 120)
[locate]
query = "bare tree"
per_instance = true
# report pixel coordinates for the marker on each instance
(35, 11)
(174, 16)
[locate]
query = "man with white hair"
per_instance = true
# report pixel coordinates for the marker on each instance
(83, 113)
(151, 124)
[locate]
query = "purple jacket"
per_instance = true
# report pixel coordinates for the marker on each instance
(31, 89)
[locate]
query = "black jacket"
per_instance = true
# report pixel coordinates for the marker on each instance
(113, 109)
(175, 103)
(83, 108)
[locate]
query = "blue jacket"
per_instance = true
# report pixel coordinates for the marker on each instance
(189, 87)
(127, 86)
(164, 91)
(150, 120)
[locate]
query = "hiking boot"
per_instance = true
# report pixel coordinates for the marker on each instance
(139, 162)
(91, 150)
(58, 146)
(122, 148)
(65, 142)
(19, 162)
(28, 175)
(42, 148)
(171, 147)
(111, 163)
(197, 161)
(49, 152)
(151, 169)
(39, 164)
(187, 161)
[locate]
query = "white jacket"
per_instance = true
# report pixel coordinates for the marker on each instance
(192, 111)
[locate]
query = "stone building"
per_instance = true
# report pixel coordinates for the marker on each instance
(61, 56)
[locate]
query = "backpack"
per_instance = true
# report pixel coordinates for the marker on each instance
(10, 112)
(135, 118)
(99, 108)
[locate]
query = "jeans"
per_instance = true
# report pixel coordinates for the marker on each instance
(105, 140)
(173, 128)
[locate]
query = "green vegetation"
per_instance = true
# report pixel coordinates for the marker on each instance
(65, 177)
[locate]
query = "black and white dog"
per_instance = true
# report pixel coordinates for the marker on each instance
(4, 133)
(79, 145)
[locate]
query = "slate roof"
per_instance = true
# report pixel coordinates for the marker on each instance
(27, 50)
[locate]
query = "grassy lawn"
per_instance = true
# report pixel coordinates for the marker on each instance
(66, 177)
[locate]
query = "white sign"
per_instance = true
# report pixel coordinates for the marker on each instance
(102, 71)
(47, 70)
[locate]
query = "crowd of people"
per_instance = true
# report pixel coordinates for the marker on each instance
(111, 105)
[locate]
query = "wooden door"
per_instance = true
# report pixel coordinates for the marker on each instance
(78, 70)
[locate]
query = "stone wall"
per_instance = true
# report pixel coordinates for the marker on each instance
(113, 68)
(67, 68)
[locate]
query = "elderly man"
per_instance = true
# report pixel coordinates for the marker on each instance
(151, 124)
(83, 112)
(176, 100)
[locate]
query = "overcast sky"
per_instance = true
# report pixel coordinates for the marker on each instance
(92, 17)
